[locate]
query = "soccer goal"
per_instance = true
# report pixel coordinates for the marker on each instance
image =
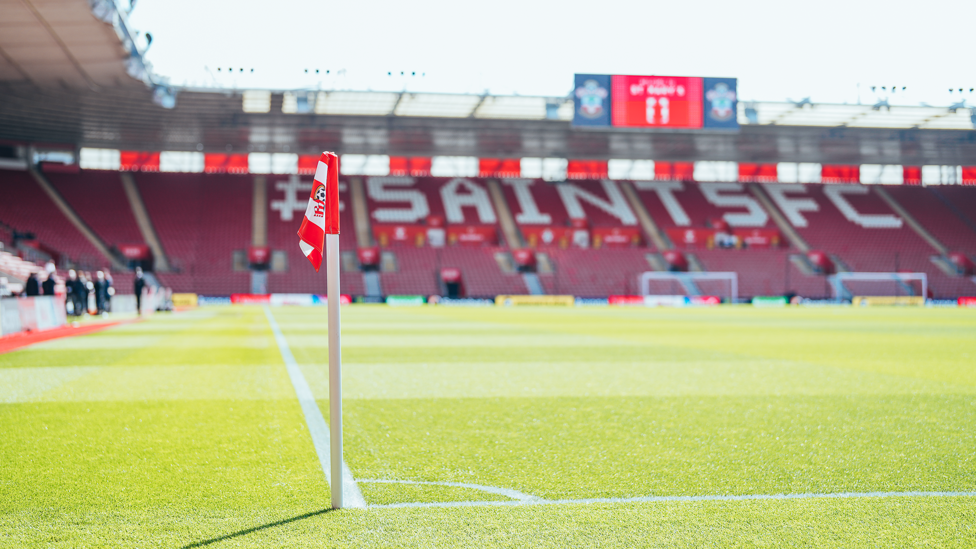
(850, 285)
(722, 284)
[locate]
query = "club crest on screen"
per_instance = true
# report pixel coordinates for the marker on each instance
(721, 101)
(591, 95)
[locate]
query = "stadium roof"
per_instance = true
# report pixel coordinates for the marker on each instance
(64, 43)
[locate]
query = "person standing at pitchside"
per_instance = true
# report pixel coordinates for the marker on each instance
(32, 288)
(140, 284)
(48, 285)
(101, 291)
(72, 294)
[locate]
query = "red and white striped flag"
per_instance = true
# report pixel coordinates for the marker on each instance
(322, 213)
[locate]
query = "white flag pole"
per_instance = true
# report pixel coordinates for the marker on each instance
(335, 367)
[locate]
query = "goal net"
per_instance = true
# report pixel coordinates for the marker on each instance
(724, 285)
(884, 285)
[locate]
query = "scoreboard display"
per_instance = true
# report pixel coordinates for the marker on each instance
(656, 101)
(678, 102)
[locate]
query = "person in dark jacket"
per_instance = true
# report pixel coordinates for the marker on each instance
(48, 285)
(101, 291)
(72, 294)
(85, 288)
(140, 284)
(33, 287)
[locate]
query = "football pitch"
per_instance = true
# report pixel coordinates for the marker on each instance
(507, 427)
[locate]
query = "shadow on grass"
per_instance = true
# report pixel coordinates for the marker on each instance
(257, 528)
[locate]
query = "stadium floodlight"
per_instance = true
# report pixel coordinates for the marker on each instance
(899, 280)
(256, 101)
(99, 159)
(689, 281)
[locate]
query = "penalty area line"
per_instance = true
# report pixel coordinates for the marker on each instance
(317, 427)
(665, 499)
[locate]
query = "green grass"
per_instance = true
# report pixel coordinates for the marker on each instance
(185, 429)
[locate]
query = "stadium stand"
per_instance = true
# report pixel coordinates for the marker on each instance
(594, 273)
(549, 202)
(869, 237)
(415, 273)
(764, 272)
(97, 196)
(6, 235)
(962, 202)
(480, 271)
(946, 223)
(284, 217)
(694, 209)
(201, 220)
(25, 207)
(761, 270)
(419, 268)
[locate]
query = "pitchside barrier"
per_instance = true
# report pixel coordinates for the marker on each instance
(557, 300)
(184, 301)
(123, 303)
(460, 301)
(405, 300)
(664, 301)
(769, 301)
(31, 313)
(888, 300)
(307, 300)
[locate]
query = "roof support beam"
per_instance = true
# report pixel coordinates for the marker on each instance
(15, 65)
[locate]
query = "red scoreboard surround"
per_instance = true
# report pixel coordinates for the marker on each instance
(656, 101)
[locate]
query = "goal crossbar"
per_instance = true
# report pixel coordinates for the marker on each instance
(732, 277)
(837, 280)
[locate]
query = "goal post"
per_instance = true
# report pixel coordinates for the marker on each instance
(891, 284)
(689, 282)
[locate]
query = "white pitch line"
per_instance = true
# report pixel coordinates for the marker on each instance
(514, 494)
(662, 499)
(317, 427)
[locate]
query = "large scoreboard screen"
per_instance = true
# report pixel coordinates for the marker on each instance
(626, 101)
(656, 101)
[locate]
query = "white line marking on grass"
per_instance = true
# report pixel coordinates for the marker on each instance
(313, 418)
(662, 499)
(514, 494)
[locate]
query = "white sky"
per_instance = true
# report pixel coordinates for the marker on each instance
(777, 49)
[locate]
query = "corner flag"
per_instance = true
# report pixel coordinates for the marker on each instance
(322, 212)
(320, 227)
